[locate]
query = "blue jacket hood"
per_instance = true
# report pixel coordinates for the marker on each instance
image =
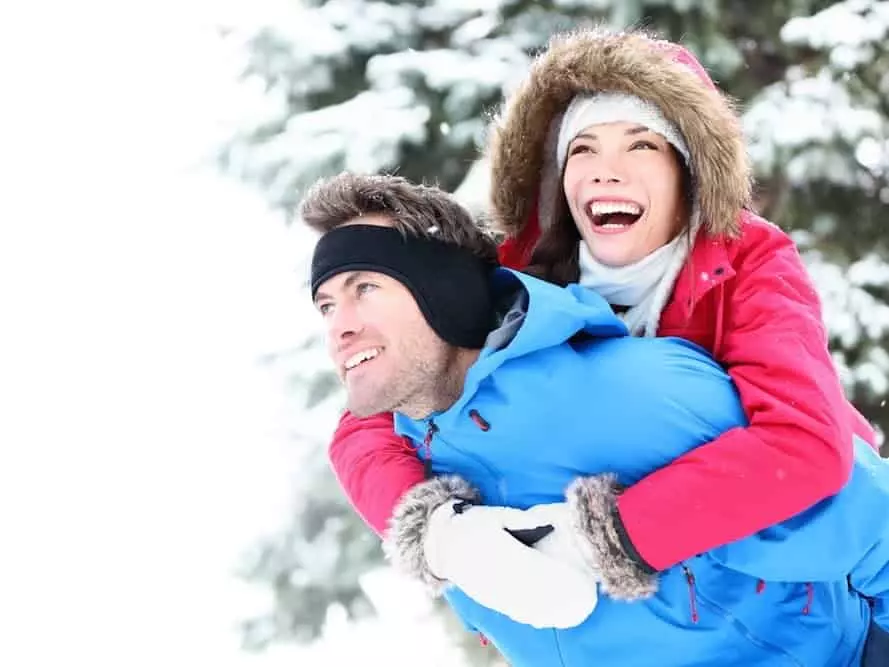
(552, 316)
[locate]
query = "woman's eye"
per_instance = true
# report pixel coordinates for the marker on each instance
(647, 145)
(580, 148)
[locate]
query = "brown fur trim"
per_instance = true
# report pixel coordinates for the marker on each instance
(403, 545)
(629, 62)
(592, 503)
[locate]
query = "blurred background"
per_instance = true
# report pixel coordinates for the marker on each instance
(164, 401)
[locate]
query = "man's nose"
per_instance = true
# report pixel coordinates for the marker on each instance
(343, 323)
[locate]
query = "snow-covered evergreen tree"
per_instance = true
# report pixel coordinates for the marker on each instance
(405, 87)
(820, 138)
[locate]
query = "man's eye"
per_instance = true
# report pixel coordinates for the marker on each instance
(325, 308)
(364, 288)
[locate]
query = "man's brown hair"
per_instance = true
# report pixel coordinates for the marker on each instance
(415, 210)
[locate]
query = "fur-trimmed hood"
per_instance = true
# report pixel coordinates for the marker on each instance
(521, 147)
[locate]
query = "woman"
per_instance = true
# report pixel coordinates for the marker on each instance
(618, 164)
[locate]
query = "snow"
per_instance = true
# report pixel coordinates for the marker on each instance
(854, 316)
(849, 30)
(370, 26)
(360, 134)
(144, 448)
(808, 111)
(440, 69)
(369, 130)
(802, 116)
(406, 627)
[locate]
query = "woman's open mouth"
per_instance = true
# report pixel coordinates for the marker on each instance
(613, 216)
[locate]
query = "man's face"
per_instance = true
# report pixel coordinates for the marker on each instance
(384, 351)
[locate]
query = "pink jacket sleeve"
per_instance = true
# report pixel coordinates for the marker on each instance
(374, 465)
(798, 447)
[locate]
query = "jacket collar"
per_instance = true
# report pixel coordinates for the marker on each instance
(708, 266)
(554, 315)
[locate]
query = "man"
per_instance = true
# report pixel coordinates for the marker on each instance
(512, 391)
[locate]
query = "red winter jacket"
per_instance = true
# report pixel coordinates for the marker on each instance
(750, 302)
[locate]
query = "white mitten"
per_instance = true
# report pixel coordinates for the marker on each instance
(468, 546)
(562, 543)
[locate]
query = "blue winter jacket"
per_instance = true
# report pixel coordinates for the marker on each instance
(571, 394)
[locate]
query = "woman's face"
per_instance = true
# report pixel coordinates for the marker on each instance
(623, 184)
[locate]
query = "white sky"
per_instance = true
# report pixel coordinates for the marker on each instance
(140, 448)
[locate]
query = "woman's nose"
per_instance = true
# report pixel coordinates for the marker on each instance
(599, 178)
(605, 170)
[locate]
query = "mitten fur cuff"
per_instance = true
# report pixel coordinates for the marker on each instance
(592, 503)
(404, 540)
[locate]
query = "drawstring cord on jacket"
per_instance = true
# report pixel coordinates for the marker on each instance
(692, 594)
(810, 596)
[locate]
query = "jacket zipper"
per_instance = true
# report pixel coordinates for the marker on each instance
(431, 430)
(735, 622)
